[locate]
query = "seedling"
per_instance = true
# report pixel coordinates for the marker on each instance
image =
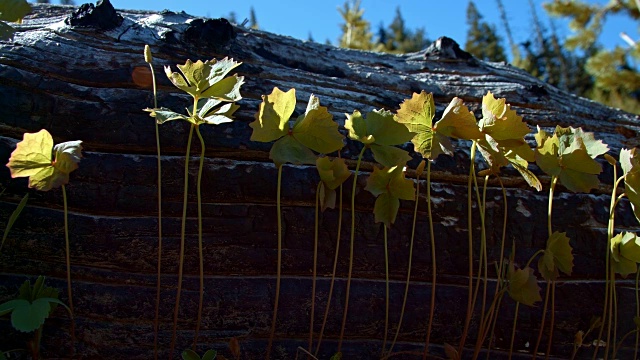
(192, 355)
(48, 167)
(30, 310)
(315, 130)
(148, 58)
(378, 132)
(213, 96)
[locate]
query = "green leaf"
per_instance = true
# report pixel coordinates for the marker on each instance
(14, 216)
(32, 158)
(190, 355)
(557, 257)
(336, 356)
(29, 316)
(389, 156)
(207, 79)
(273, 115)
(417, 115)
(215, 112)
(163, 115)
(523, 286)
(625, 253)
(389, 185)
(317, 130)
(566, 156)
(6, 31)
(289, 150)
(630, 163)
(209, 355)
(379, 127)
(332, 173)
(327, 197)
(14, 10)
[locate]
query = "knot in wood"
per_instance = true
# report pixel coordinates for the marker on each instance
(102, 16)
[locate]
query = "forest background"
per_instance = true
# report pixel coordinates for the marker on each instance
(588, 48)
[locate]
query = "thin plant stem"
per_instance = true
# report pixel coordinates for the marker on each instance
(279, 265)
(200, 250)
(467, 320)
(156, 320)
(608, 279)
(487, 320)
(513, 329)
(315, 268)
(406, 287)
(386, 277)
(615, 351)
(500, 263)
(433, 264)
(68, 261)
(635, 351)
(351, 244)
(552, 320)
(483, 263)
(550, 284)
(176, 309)
(333, 273)
(494, 318)
(544, 314)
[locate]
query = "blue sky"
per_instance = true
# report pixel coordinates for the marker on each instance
(299, 18)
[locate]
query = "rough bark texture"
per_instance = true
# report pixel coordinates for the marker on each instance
(77, 81)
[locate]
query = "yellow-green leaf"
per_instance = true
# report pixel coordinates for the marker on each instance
(273, 115)
(625, 253)
(630, 162)
(207, 79)
(317, 130)
(417, 115)
(389, 185)
(557, 257)
(32, 158)
(501, 122)
(458, 122)
(332, 173)
(523, 286)
(379, 126)
(389, 156)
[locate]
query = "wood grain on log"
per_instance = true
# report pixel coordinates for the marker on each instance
(88, 81)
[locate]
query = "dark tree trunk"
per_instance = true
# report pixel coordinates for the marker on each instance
(77, 81)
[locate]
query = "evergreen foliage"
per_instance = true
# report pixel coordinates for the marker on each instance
(356, 31)
(482, 39)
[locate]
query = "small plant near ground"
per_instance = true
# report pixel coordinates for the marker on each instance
(192, 355)
(47, 167)
(214, 95)
(30, 309)
(312, 131)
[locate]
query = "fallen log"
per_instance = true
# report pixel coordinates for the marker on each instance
(82, 76)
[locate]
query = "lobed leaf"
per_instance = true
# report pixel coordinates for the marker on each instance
(163, 115)
(523, 286)
(288, 150)
(501, 122)
(417, 115)
(14, 10)
(625, 253)
(207, 79)
(389, 185)
(273, 115)
(317, 130)
(332, 173)
(379, 127)
(389, 156)
(630, 163)
(557, 257)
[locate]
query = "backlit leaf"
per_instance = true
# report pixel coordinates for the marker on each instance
(458, 122)
(566, 156)
(207, 79)
(630, 162)
(332, 172)
(273, 115)
(523, 286)
(317, 130)
(501, 122)
(32, 158)
(557, 257)
(379, 125)
(417, 115)
(163, 115)
(625, 253)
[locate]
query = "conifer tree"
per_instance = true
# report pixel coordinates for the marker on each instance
(398, 39)
(482, 39)
(617, 82)
(253, 21)
(356, 31)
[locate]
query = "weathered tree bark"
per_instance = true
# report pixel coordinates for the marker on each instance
(88, 81)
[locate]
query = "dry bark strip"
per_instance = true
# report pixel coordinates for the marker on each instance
(83, 77)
